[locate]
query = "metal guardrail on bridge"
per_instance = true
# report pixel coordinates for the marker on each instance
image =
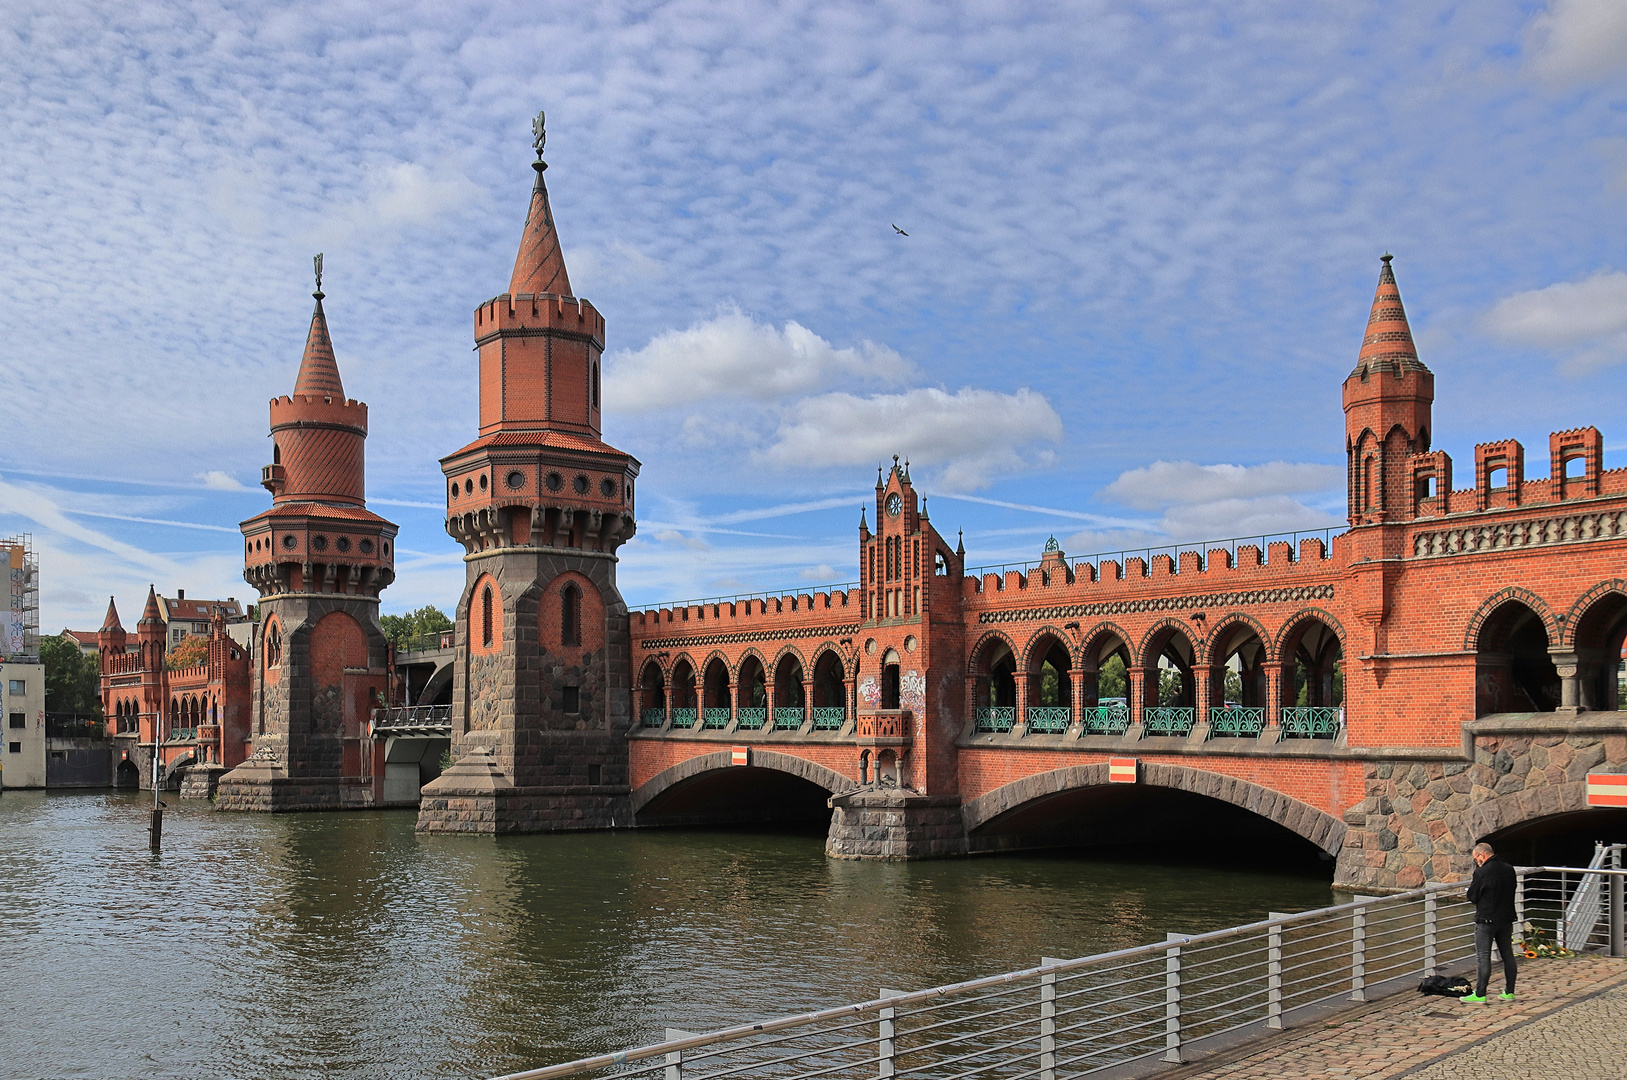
(431, 721)
(1069, 1018)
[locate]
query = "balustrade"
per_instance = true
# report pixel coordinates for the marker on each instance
(1311, 721)
(1237, 722)
(789, 717)
(996, 718)
(1106, 719)
(1049, 719)
(654, 717)
(829, 717)
(750, 719)
(1168, 719)
(684, 716)
(715, 718)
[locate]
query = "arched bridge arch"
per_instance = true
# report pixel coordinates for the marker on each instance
(1316, 826)
(720, 764)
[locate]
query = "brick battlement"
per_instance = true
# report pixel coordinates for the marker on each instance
(292, 410)
(1112, 579)
(769, 614)
(542, 311)
(125, 664)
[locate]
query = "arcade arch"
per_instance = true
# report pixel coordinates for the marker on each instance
(1600, 632)
(652, 692)
(829, 681)
(1513, 669)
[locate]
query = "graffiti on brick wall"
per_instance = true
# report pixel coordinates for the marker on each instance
(870, 691)
(912, 692)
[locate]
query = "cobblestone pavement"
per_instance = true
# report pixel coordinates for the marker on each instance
(1571, 1018)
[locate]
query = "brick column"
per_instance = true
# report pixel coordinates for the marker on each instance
(1138, 679)
(1203, 678)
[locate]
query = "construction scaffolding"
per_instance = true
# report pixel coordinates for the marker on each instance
(20, 609)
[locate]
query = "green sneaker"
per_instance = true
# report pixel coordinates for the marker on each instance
(1505, 997)
(1473, 999)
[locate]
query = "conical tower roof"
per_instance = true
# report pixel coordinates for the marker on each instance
(1388, 341)
(112, 620)
(152, 616)
(318, 370)
(540, 266)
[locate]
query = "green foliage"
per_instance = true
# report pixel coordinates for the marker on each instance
(446, 759)
(423, 623)
(73, 681)
(191, 652)
(1050, 686)
(1169, 686)
(1234, 686)
(1111, 681)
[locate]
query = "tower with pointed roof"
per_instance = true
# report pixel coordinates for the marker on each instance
(319, 559)
(1387, 403)
(540, 503)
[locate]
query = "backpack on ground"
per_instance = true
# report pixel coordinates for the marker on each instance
(1441, 986)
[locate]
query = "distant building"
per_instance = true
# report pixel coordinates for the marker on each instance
(22, 703)
(85, 639)
(185, 618)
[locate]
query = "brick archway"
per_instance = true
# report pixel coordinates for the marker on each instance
(1324, 830)
(1539, 606)
(829, 779)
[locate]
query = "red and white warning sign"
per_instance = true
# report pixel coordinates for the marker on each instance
(1121, 770)
(1607, 789)
(741, 756)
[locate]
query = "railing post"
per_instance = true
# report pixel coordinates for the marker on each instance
(886, 1045)
(1431, 928)
(675, 1058)
(1616, 896)
(1519, 909)
(1172, 999)
(1047, 1020)
(1273, 973)
(1358, 950)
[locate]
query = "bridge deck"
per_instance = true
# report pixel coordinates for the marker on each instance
(1570, 1020)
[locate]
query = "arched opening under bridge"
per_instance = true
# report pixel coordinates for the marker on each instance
(1172, 814)
(1564, 839)
(127, 777)
(779, 790)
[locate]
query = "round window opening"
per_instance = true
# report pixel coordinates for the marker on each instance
(386, 547)
(607, 487)
(366, 547)
(555, 481)
(343, 543)
(319, 543)
(482, 481)
(454, 489)
(468, 487)
(580, 484)
(516, 479)
(289, 541)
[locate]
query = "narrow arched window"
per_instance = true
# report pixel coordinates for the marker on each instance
(570, 615)
(276, 454)
(595, 386)
(485, 616)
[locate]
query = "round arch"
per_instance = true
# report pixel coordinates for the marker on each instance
(1296, 625)
(1146, 656)
(1218, 636)
(751, 653)
(1579, 610)
(701, 764)
(977, 659)
(787, 650)
(1320, 828)
(1539, 606)
(1033, 654)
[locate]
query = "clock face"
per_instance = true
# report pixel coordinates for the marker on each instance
(894, 504)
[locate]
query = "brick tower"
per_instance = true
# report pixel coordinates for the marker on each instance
(319, 559)
(541, 686)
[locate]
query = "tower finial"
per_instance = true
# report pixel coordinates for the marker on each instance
(539, 134)
(317, 262)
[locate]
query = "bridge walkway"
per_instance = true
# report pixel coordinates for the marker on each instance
(1570, 1021)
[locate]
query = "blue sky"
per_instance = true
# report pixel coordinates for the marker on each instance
(1143, 240)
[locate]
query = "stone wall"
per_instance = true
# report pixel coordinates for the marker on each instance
(894, 824)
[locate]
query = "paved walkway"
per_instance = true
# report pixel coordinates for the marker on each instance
(1570, 1021)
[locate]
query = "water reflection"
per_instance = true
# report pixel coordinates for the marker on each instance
(346, 945)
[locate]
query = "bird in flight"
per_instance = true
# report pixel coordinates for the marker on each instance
(899, 231)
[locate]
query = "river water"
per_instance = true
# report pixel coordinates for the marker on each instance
(346, 945)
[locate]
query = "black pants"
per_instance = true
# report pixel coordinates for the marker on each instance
(1484, 935)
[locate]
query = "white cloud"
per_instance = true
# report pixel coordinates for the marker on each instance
(963, 440)
(615, 263)
(1176, 483)
(402, 193)
(220, 480)
(733, 355)
(1578, 40)
(1584, 320)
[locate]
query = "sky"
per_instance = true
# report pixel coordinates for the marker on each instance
(1142, 240)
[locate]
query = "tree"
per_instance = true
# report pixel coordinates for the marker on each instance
(73, 681)
(401, 629)
(1110, 680)
(191, 652)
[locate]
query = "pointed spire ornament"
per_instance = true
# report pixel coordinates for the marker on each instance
(112, 620)
(540, 265)
(318, 370)
(1387, 347)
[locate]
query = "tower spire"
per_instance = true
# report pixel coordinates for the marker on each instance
(540, 265)
(151, 616)
(318, 370)
(1387, 345)
(112, 620)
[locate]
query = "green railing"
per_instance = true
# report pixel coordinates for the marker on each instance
(715, 717)
(1237, 722)
(1168, 719)
(789, 717)
(1310, 721)
(1106, 719)
(182, 734)
(997, 718)
(1049, 719)
(750, 719)
(684, 716)
(829, 717)
(653, 717)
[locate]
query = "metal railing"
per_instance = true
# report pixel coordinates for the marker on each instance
(653, 717)
(732, 598)
(789, 717)
(1106, 719)
(715, 717)
(1236, 722)
(748, 719)
(1168, 719)
(829, 717)
(74, 726)
(412, 716)
(1048, 719)
(995, 718)
(1574, 909)
(684, 716)
(1075, 1017)
(1311, 721)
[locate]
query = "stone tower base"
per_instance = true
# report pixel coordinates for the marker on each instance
(201, 781)
(263, 785)
(893, 824)
(474, 796)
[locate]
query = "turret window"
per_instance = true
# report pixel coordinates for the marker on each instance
(595, 386)
(485, 616)
(570, 615)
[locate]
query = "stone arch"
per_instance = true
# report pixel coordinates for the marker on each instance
(787, 650)
(1517, 808)
(977, 656)
(1239, 618)
(1471, 636)
(1579, 610)
(1298, 620)
(1320, 828)
(829, 779)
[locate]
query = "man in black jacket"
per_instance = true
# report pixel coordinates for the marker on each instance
(1491, 891)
